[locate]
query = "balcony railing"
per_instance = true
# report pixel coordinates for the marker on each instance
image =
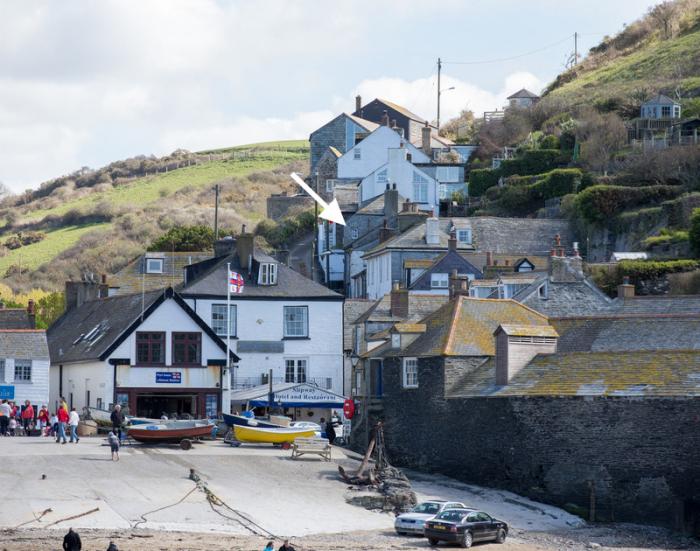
(325, 383)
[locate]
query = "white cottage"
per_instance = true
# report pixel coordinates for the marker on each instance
(24, 366)
(150, 352)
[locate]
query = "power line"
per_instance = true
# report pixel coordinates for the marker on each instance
(500, 60)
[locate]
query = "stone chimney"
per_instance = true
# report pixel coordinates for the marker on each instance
(385, 232)
(427, 148)
(31, 314)
(358, 105)
(385, 119)
(452, 241)
(489, 258)
(399, 301)
(625, 289)
(517, 345)
(391, 201)
(562, 268)
(458, 285)
(244, 248)
(224, 246)
(79, 292)
(432, 231)
(410, 216)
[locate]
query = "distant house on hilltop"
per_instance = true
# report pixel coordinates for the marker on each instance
(523, 98)
(660, 107)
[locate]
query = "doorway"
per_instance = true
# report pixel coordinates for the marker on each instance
(154, 406)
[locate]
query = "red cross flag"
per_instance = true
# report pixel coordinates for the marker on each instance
(236, 282)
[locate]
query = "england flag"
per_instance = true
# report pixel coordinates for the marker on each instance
(236, 282)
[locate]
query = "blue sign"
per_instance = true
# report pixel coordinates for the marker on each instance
(7, 392)
(168, 377)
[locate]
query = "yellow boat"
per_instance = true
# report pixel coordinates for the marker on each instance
(264, 435)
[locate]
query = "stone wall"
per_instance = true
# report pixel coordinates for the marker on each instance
(279, 206)
(638, 457)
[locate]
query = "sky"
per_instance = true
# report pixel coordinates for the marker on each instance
(84, 83)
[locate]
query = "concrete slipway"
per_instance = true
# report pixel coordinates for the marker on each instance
(285, 497)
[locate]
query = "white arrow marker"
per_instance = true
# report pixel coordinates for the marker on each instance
(330, 212)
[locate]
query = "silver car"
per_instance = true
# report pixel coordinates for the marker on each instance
(414, 522)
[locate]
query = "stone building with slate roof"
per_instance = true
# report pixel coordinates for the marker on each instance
(24, 366)
(152, 271)
(18, 318)
(149, 352)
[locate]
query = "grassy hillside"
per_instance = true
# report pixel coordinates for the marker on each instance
(98, 221)
(640, 61)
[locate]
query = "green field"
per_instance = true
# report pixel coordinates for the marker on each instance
(279, 145)
(150, 188)
(56, 241)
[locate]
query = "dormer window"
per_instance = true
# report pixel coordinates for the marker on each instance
(268, 274)
(395, 340)
(464, 236)
(154, 265)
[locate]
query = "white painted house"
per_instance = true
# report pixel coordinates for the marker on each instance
(149, 352)
(372, 152)
(24, 366)
(281, 322)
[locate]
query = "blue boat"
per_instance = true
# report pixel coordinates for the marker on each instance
(232, 420)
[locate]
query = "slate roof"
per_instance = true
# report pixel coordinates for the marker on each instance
(27, 344)
(660, 99)
(15, 318)
(450, 259)
(401, 109)
(528, 330)
(290, 284)
(578, 298)
(465, 327)
(364, 123)
(666, 304)
(523, 93)
(375, 206)
(353, 308)
(131, 278)
(419, 306)
(516, 236)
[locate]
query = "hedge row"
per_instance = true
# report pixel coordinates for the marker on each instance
(650, 269)
(599, 203)
(481, 179)
(534, 161)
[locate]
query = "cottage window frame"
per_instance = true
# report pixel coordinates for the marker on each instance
(146, 341)
(410, 373)
(23, 371)
(182, 343)
(219, 319)
(293, 327)
(154, 265)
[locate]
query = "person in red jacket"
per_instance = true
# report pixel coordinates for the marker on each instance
(62, 420)
(43, 420)
(27, 417)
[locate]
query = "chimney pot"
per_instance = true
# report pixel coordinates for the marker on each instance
(399, 301)
(489, 258)
(452, 241)
(425, 140)
(385, 119)
(104, 279)
(358, 103)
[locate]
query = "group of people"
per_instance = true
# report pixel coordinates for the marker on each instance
(15, 419)
(72, 542)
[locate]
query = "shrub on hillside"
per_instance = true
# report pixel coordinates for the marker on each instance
(482, 179)
(185, 239)
(535, 161)
(694, 233)
(651, 269)
(597, 204)
(283, 233)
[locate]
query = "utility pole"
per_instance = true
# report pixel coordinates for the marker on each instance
(575, 48)
(438, 93)
(216, 212)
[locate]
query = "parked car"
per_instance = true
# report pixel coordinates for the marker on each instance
(308, 425)
(465, 526)
(414, 521)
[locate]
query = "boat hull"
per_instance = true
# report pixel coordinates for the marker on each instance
(169, 433)
(232, 420)
(263, 435)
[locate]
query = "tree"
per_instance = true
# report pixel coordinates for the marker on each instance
(664, 14)
(694, 232)
(462, 128)
(184, 239)
(601, 137)
(49, 308)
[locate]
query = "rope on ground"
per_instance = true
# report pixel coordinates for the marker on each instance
(183, 498)
(35, 519)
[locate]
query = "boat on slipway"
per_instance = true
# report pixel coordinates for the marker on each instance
(182, 432)
(232, 420)
(267, 435)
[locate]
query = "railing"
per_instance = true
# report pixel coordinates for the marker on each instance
(326, 383)
(663, 142)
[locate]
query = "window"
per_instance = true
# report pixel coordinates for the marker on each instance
(677, 111)
(123, 399)
(395, 340)
(268, 274)
(666, 111)
(357, 154)
(439, 281)
(358, 340)
(542, 291)
(354, 233)
(420, 188)
(464, 236)
(358, 382)
(410, 373)
(296, 321)
(2, 371)
(219, 320)
(381, 177)
(23, 371)
(154, 265)
(447, 174)
(187, 348)
(295, 371)
(211, 403)
(150, 348)
(330, 184)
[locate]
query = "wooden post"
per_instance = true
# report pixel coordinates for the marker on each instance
(591, 501)
(270, 394)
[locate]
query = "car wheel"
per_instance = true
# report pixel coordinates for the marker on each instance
(467, 539)
(433, 542)
(501, 536)
(401, 533)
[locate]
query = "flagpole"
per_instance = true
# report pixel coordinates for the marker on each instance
(228, 334)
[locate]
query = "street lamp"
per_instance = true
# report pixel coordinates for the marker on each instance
(438, 103)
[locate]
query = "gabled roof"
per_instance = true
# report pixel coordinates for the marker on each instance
(26, 344)
(375, 206)
(465, 327)
(93, 330)
(419, 306)
(660, 99)
(666, 304)
(15, 318)
(563, 299)
(523, 93)
(212, 282)
(456, 258)
(401, 109)
(367, 125)
(131, 278)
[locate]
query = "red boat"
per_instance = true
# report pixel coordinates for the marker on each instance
(182, 432)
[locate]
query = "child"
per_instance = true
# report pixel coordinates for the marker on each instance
(114, 445)
(54, 425)
(13, 426)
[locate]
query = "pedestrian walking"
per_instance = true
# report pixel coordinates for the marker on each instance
(27, 418)
(54, 424)
(112, 546)
(286, 546)
(5, 412)
(63, 404)
(117, 420)
(13, 426)
(71, 541)
(330, 431)
(269, 547)
(114, 444)
(73, 420)
(63, 418)
(43, 421)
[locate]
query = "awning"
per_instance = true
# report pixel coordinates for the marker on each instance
(289, 395)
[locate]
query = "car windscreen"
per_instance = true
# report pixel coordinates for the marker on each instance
(427, 508)
(452, 516)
